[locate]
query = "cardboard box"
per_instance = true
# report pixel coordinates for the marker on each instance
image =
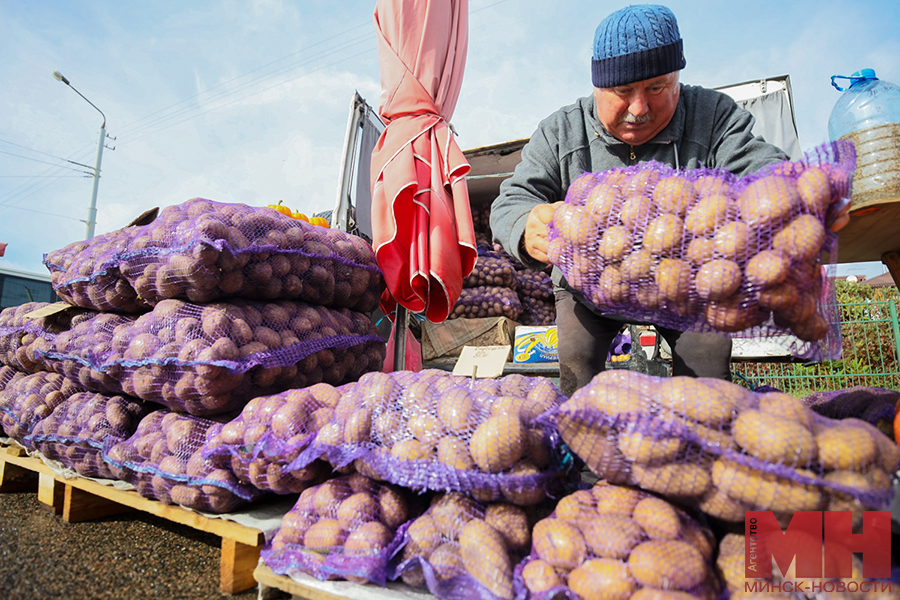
(536, 344)
(448, 338)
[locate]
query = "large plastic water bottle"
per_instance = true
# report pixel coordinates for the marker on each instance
(868, 114)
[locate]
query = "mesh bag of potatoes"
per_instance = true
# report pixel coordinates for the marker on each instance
(77, 430)
(203, 251)
(211, 359)
(461, 548)
(348, 527)
(724, 449)
(487, 301)
(615, 543)
(703, 250)
(164, 461)
(433, 431)
(28, 399)
(491, 271)
(271, 431)
(22, 334)
(537, 312)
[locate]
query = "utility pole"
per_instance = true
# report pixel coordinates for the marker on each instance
(92, 209)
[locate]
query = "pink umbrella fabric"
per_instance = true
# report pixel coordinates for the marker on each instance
(421, 220)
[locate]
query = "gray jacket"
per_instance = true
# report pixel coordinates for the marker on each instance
(707, 130)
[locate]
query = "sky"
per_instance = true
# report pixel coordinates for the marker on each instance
(248, 101)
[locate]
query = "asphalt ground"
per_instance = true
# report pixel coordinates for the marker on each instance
(134, 556)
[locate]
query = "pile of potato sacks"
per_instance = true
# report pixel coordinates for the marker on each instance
(702, 249)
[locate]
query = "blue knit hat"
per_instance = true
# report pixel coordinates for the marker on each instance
(636, 43)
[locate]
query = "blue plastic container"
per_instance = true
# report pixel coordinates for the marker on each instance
(868, 114)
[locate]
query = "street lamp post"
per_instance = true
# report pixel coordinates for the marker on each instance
(92, 209)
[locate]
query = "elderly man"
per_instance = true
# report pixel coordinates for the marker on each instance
(638, 112)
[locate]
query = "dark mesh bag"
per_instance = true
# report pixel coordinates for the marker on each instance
(484, 301)
(164, 461)
(203, 251)
(703, 250)
(462, 548)
(534, 284)
(348, 527)
(77, 430)
(724, 449)
(22, 335)
(27, 399)
(491, 271)
(430, 430)
(269, 434)
(613, 541)
(537, 312)
(211, 359)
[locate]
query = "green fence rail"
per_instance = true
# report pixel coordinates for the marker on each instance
(870, 352)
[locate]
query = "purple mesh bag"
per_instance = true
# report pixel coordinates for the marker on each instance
(724, 449)
(703, 250)
(28, 399)
(463, 549)
(484, 301)
(534, 284)
(269, 434)
(537, 312)
(22, 335)
(348, 527)
(203, 251)
(211, 359)
(77, 430)
(491, 272)
(613, 541)
(871, 404)
(164, 461)
(433, 431)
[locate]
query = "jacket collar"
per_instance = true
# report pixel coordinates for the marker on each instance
(672, 132)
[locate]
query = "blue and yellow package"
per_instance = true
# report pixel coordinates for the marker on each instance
(536, 344)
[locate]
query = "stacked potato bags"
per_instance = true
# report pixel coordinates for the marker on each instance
(724, 449)
(489, 291)
(202, 251)
(704, 250)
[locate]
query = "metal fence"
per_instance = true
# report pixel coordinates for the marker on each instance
(870, 355)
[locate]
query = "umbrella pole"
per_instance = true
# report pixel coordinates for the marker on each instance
(400, 327)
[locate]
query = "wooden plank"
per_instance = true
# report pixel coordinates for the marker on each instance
(237, 563)
(869, 235)
(80, 506)
(336, 589)
(892, 261)
(266, 576)
(16, 479)
(50, 492)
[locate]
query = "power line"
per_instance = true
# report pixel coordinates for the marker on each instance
(32, 150)
(41, 161)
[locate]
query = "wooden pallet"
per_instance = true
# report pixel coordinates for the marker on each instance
(306, 587)
(80, 499)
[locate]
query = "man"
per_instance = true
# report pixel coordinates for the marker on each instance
(638, 112)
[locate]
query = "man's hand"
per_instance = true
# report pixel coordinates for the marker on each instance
(839, 222)
(535, 238)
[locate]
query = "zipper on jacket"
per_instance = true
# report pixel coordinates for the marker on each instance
(631, 156)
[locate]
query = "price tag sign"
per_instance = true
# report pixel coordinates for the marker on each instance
(482, 362)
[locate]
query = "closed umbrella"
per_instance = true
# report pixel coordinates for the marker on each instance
(421, 220)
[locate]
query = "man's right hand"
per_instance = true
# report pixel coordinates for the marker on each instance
(535, 238)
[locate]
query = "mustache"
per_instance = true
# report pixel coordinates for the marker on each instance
(633, 120)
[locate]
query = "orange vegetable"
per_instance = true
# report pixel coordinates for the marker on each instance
(281, 208)
(300, 216)
(320, 221)
(897, 423)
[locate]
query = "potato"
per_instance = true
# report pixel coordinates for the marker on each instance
(368, 539)
(844, 446)
(700, 250)
(611, 287)
(573, 223)
(673, 479)
(774, 440)
(673, 276)
(393, 506)
(454, 453)
(486, 558)
(601, 579)
(615, 499)
(615, 242)
(802, 239)
(559, 543)
(657, 518)
(358, 508)
(673, 195)
(610, 536)
(768, 201)
(540, 576)
(497, 443)
(695, 399)
(663, 234)
(718, 279)
(733, 314)
(667, 564)
(647, 448)
(637, 265)
(732, 241)
(709, 214)
(329, 495)
(512, 524)
(324, 536)
(637, 211)
(576, 507)
(814, 189)
(766, 269)
(423, 536)
(765, 490)
(603, 200)
(446, 561)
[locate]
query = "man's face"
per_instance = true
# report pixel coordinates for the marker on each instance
(635, 112)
